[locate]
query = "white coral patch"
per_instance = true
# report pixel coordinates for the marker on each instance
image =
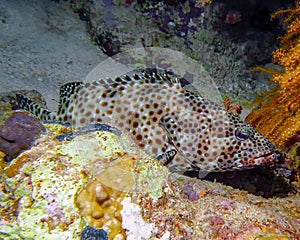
(133, 222)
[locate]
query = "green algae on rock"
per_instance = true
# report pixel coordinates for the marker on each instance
(85, 149)
(42, 195)
(151, 177)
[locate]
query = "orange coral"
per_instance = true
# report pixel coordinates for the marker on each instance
(202, 3)
(101, 206)
(293, 22)
(278, 119)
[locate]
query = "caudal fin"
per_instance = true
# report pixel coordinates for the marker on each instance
(32, 107)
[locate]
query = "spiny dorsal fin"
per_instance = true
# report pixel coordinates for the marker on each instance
(30, 106)
(66, 95)
(116, 86)
(140, 78)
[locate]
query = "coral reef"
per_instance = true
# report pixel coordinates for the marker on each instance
(37, 195)
(219, 213)
(293, 156)
(57, 188)
(18, 133)
(5, 110)
(39, 188)
(279, 111)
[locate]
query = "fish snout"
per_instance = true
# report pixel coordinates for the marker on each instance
(279, 157)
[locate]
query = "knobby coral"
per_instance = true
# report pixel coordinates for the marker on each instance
(101, 206)
(278, 119)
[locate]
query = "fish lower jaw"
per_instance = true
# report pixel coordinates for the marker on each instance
(266, 158)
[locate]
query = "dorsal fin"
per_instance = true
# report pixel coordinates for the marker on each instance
(30, 106)
(66, 95)
(140, 78)
(114, 87)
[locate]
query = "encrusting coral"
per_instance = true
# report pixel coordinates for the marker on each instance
(278, 119)
(101, 206)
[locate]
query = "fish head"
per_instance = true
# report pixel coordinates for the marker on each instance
(214, 140)
(243, 147)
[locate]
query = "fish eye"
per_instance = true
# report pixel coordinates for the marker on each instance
(241, 135)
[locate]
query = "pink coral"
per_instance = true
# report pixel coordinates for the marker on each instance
(225, 205)
(56, 213)
(233, 17)
(190, 193)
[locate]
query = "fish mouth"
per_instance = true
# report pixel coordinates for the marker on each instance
(274, 156)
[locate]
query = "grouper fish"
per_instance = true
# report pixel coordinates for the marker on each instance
(182, 129)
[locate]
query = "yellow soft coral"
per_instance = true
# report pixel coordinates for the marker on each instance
(278, 119)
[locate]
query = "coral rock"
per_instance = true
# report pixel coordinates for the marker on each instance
(93, 233)
(57, 188)
(19, 133)
(100, 205)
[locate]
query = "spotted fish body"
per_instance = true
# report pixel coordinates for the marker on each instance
(184, 130)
